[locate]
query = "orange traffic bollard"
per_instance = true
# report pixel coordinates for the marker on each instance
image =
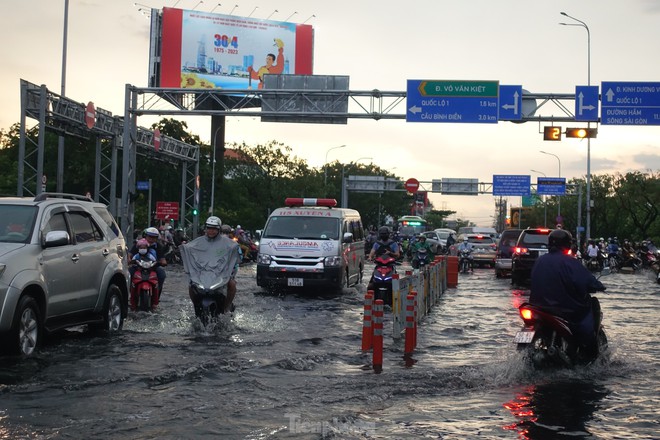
(378, 336)
(367, 328)
(414, 294)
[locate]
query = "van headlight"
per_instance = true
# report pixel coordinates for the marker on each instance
(333, 261)
(263, 258)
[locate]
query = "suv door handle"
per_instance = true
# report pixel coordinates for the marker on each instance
(75, 258)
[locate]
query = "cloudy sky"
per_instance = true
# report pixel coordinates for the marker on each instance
(379, 45)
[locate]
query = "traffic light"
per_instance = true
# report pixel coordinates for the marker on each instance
(552, 133)
(195, 211)
(581, 132)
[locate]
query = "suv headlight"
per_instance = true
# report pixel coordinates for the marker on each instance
(332, 261)
(263, 258)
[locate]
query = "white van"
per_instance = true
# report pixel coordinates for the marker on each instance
(311, 243)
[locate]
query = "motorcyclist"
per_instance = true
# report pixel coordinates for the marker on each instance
(223, 242)
(467, 247)
(144, 251)
(450, 242)
(421, 243)
(561, 285)
(593, 252)
(152, 235)
(384, 245)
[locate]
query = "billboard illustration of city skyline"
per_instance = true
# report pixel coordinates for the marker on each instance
(204, 50)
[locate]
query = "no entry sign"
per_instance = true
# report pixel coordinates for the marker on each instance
(412, 185)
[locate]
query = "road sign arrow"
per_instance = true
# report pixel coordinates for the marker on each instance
(513, 106)
(414, 109)
(610, 95)
(581, 105)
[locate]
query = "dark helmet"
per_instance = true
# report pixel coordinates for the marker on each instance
(384, 233)
(560, 238)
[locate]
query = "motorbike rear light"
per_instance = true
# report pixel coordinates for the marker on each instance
(526, 314)
(299, 201)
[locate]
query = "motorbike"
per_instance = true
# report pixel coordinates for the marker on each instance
(593, 264)
(172, 253)
(381, 280)
(144, 286)
(210, 299)
(421, 258)
(208, 275)
(549, 341)
(464, 261)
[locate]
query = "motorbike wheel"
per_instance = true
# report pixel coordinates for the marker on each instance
(144, 300)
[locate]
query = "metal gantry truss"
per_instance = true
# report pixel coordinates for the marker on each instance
(363, 104)
(66, 117)
(114, 134)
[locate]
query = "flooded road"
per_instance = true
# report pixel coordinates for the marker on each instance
(291, 366)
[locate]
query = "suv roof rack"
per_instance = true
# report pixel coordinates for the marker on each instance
(55, 195)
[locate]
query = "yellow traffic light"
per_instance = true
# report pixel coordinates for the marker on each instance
(581, 132)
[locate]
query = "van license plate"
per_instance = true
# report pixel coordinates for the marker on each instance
(295, 282)
(524, 337)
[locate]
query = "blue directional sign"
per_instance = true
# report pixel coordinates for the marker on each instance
(551, 186)
(510, 104)
(452, 101)
(586, 103)
(630, 103)
(142, 185)
(511, 185)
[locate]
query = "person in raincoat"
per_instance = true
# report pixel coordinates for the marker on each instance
(210, 257)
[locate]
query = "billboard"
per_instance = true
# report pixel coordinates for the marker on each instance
(204, 50)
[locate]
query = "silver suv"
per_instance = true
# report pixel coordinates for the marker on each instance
(62, 263)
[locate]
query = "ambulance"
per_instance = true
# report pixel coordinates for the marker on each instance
(310, 243)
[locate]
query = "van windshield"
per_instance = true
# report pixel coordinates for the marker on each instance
(310, 228)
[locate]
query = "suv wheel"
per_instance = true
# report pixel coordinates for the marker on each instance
(26, 334)
(113, 318)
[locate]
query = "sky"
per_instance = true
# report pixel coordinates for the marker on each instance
(379, 45)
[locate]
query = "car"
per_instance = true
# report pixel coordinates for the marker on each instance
(531, 244)
(438, 239)
(63, 263)
(504, 251)
(483, 248)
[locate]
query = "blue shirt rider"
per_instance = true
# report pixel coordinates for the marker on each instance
(561, 285)
(384, 245)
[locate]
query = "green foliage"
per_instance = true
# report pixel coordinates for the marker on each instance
(261, 177)
(437, 219)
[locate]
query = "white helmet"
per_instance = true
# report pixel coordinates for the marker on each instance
(213, 222)
(152, 232)
(465, 239)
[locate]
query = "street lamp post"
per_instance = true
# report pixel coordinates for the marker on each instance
(558, 175)
(60, 139)
(545, 204)
(325, 164)
(584, 25)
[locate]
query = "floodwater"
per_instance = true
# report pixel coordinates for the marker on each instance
(291, 366)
